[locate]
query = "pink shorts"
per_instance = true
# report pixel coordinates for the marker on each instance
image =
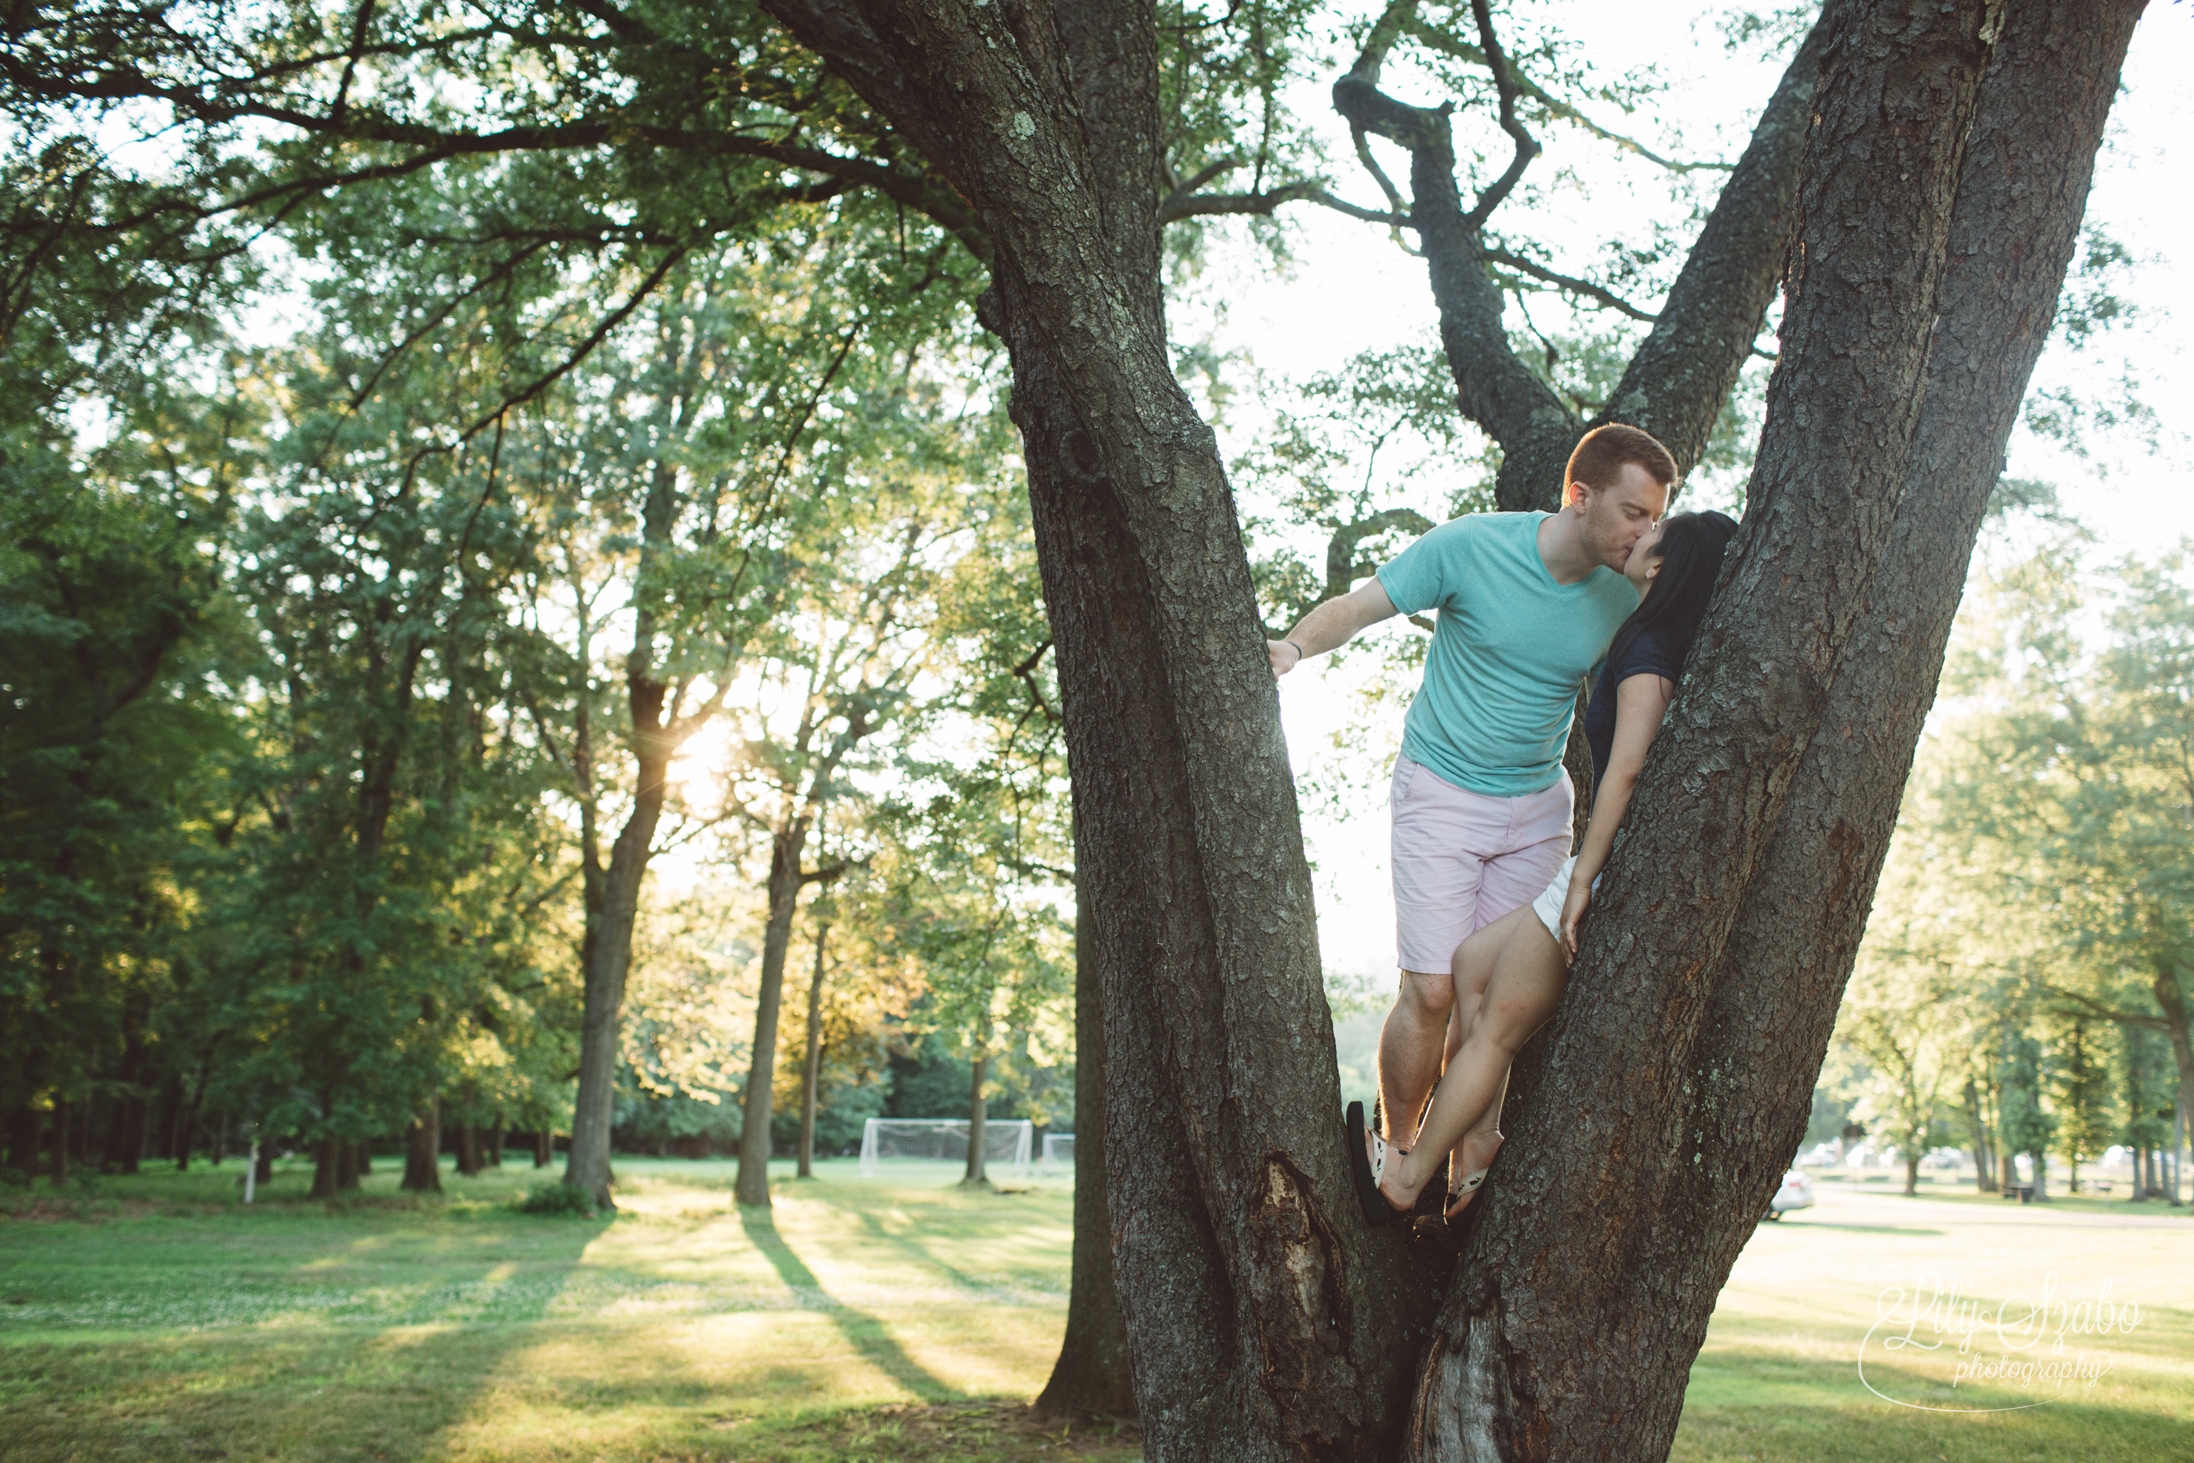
(1462, 859)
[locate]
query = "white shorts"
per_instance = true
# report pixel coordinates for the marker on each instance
(1461, 859)
(1548, 906)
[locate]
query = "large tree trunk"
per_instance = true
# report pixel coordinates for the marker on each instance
(786, 850)
(1091, 1376)
(1769, 799)
(811, 1068)
(1264, 1320)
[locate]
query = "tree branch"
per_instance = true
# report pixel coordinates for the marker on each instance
(1527, 146)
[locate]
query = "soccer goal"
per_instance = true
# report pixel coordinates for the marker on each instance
(1058, 1154)
(1006, 1142)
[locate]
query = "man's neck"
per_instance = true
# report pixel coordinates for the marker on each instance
(1562, 548)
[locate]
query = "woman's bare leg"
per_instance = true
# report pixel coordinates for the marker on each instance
(1524, 988)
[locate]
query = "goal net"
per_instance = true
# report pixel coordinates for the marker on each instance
(1006, 1142)
(1058, 1153)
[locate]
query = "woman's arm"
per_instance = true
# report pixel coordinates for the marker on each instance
(1640, 701)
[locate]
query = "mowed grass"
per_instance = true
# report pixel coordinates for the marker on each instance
(902, 1319)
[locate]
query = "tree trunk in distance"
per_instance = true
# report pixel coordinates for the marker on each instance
(26, 1129)
(2179, 1025)
(811, 1069)
(363, 1153)
(324, 1158)
(468, 1149)
(60, 1171)
(346, 1165)
(976, 1177)
(608, 950)
(495, 1143)
(423, 1152)
(1695, 1055)
(2041, 1177)
(1091, 1376)
(1912, 1175)
(544, 1148)
(752, 1186)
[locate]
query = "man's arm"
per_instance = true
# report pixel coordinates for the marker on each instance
(1331, 625)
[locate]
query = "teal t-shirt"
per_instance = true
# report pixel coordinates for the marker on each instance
(1507, 654)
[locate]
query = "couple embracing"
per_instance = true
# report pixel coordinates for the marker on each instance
(1487, 899)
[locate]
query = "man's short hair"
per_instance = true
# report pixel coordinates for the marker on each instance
(1602, 452)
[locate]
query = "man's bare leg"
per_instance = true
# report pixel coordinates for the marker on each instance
(1411, 1046)
(1472, 968)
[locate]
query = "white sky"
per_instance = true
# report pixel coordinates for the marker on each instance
(1354, 291)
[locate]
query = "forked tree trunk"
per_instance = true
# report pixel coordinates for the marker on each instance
(1264, 1321)
(1768, 801)
(1091, 1376)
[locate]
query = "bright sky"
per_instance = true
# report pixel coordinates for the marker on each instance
(1354, 291)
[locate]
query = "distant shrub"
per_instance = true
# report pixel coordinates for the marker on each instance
(556, 1199)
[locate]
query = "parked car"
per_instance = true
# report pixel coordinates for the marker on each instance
(1796, 1193)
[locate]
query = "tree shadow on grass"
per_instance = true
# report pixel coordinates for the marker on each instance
(863, 1332)
(920, 1253)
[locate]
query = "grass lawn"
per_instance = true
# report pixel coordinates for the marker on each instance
(155, 1318)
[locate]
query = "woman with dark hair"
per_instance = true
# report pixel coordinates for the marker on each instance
(1509, 976)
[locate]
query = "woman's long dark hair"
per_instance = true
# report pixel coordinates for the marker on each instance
(1691, 556)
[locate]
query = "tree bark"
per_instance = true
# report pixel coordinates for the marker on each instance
(811, 1069)
(544, 1148)
(494, 1154)
(1768, 800)
(326, 1154)
(468, 1150)
(346, 1164)
(423, 1152)
(786, 849)
(1091, 1376)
